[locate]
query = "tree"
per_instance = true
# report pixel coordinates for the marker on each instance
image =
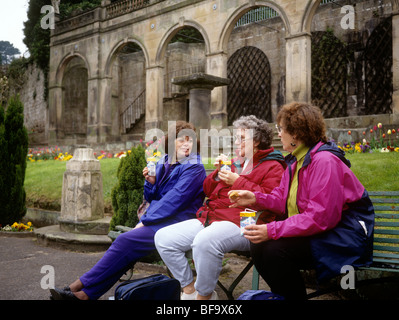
(127, 195)
(7, 52)
(13, 151)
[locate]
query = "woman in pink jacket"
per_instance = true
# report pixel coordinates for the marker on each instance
(329, 217)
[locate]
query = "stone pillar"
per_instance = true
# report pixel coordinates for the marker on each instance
(82, 193)
(200, 86)
(55, 113)
(395, 63)
(298, 68)
(154, 97)
(216, 64)
(105, 116)
(93, 116)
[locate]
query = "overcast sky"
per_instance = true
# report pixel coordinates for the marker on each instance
(12, 18)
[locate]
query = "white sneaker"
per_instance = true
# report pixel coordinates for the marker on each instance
(214, 296)
(187, 296)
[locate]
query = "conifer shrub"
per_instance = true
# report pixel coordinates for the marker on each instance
(13, 152)
(127, 195)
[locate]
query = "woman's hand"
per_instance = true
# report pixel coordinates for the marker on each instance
(148, 178)
(218, 159)
(256, 233)
(228, 177)
(241, 198)
(139, 225)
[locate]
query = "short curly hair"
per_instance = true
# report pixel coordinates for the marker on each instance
(262, 131)
(303, 121)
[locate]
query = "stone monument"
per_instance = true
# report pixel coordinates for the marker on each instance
(82, 225)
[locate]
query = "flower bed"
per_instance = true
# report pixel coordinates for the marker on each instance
(18, 229)
(378, 141)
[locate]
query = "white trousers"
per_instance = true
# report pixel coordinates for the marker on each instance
(208, 246)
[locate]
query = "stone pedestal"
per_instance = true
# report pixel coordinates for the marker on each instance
(82, 193)
(82, 225)
(200, 86)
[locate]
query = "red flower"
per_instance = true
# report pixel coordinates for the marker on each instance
(349, 132)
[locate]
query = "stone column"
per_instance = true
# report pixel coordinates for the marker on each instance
(216, 64)
(154, 97)
(55, 112)
(395, 64)
(298, 68)
(82, 193)
(105, 100)
(200, 86)
(93, 116)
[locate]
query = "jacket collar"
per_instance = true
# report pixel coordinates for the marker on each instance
(261, 156)
(320, 146)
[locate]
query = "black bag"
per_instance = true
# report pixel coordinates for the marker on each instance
(155, 287)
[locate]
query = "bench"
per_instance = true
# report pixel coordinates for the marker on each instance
(227, 290)
(385, 266)
(385, 254)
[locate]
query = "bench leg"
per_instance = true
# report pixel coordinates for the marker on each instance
(229, 291)
(255, 279)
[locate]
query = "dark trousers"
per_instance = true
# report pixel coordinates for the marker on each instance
(120, 256)
(279, 263)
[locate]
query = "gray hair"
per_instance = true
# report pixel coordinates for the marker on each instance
(262, 132)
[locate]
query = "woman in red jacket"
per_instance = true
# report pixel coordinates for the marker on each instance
(216, 230)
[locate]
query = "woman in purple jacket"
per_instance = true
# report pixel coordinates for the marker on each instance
(329, 217)
(174, 194)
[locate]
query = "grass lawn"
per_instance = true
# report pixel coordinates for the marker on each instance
(43, 181)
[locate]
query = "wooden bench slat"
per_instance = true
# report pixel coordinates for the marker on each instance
(386, 248)
(386, 231)
(384, 200)
(386, 215)
(386, 240)
(394, 224)
(383, 193)
(393, 256)
(387, 209)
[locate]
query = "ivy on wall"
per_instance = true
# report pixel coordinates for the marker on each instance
(329, 73)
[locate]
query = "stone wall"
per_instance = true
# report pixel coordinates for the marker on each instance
(35, 106)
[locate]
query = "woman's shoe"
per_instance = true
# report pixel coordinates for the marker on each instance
(62, 294)
(189, 296)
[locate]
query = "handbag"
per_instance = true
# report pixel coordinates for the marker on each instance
(259, 295)
(155, 287)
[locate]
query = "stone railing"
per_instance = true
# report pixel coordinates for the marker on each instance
(122, 7)
(103, 12)
(77, 21)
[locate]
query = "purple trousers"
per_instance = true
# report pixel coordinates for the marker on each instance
(120, 257)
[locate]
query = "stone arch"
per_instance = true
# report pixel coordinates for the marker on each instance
(229, 24)
(311, 9)
(117, 47)
(72, 77)
(173, 31)
(308, 15)
(125, 71)
(64, 63)
(249, 91)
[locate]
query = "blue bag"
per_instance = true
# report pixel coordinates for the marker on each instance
(155, 287)
(259, 295)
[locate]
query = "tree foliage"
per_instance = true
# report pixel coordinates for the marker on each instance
(13, 151)
(127, 195)
(7, 52)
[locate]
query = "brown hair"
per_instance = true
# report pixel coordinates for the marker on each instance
(181, 125)
(303, 121)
